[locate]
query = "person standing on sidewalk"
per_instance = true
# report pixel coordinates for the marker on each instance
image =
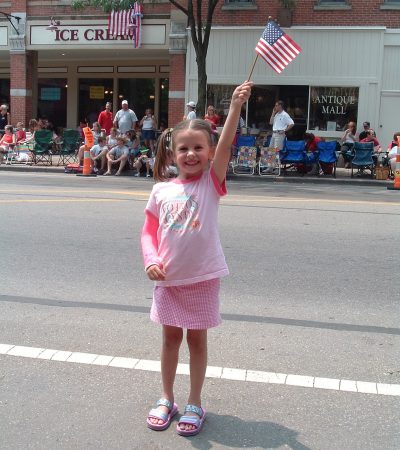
(281, 123)
(125, 119)
(191, 106)
(106, 119)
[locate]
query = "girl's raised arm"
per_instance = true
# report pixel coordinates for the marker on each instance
(223, 151)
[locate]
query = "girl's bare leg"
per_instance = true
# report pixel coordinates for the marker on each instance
(197, 342)
(172, 339)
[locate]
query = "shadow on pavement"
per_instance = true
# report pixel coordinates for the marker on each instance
(233, 432)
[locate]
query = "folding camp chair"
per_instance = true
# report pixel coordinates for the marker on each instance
(362, 160)
(327, 157)
(268, 163)
(71, 140)
(11, 153)
(245, 161)
(41, 151)
(293, 153)
(244, 141)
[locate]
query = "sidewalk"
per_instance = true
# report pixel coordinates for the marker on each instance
(342, 176)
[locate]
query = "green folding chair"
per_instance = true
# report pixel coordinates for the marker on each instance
(71, 140)
(42, 147)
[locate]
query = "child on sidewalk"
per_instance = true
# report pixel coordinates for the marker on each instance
(183, 254)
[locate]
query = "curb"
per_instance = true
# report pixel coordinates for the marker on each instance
(231, 177)
(309, 180)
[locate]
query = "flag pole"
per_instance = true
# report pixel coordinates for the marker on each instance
(251, 71)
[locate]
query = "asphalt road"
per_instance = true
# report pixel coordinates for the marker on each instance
(313, 294)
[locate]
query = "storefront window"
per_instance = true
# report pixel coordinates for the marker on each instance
(331, 108)
(140, 93)
(52, 101)
(261, 103)
(93, 95)
(5, 92)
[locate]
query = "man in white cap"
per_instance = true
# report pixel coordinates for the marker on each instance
(125, 119)
(191, 106)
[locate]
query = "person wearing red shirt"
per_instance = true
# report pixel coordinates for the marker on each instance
(7, 141)
(311, 142)
(106, 119)
(211, 117)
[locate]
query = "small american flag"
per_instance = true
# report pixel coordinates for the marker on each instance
(276, 47)
(127, 22)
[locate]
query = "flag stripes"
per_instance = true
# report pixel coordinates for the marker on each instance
(276, 47)
(127, 22)
(119, 21)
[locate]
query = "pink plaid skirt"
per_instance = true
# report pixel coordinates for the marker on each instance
(192, 306)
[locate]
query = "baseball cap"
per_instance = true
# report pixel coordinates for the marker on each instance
(124, 102)
(366, 124)
(191, 104)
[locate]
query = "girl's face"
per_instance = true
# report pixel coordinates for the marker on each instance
(191, 152)
(210, 111)
(148, 112)
(96, 127)
(8, 131)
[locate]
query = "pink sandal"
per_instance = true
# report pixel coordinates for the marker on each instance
(192, 420)
(165, 417)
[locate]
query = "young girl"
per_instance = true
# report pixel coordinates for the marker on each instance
(112, 138)
(96, 131)
(7, 141)
(183, 255)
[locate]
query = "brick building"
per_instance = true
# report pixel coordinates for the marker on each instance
(348, 68)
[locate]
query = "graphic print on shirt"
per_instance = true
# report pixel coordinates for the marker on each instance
(180, 213)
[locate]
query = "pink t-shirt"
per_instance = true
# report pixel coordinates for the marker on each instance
(188, 239)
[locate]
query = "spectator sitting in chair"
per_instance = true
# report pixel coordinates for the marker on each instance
(99, 153)
(392, 158)
(348, 139)
(112, 138)
(311, 142)
(366, 130)
(20, 135)
(6, 141)
(371, 137)
(395, 141)
(118, 156)
(145, 159)
(96, 131)
(133, 143)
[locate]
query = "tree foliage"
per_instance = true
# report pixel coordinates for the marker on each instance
(199, 14)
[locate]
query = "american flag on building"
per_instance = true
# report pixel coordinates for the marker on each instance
(276, 47)
(127, 22)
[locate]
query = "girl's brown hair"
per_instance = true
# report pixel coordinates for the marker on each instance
(165, 144)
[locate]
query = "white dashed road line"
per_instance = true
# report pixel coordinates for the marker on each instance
(226, 373)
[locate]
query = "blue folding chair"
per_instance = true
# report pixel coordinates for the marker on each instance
(363, 160)
(327, 157)
(293, 153)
